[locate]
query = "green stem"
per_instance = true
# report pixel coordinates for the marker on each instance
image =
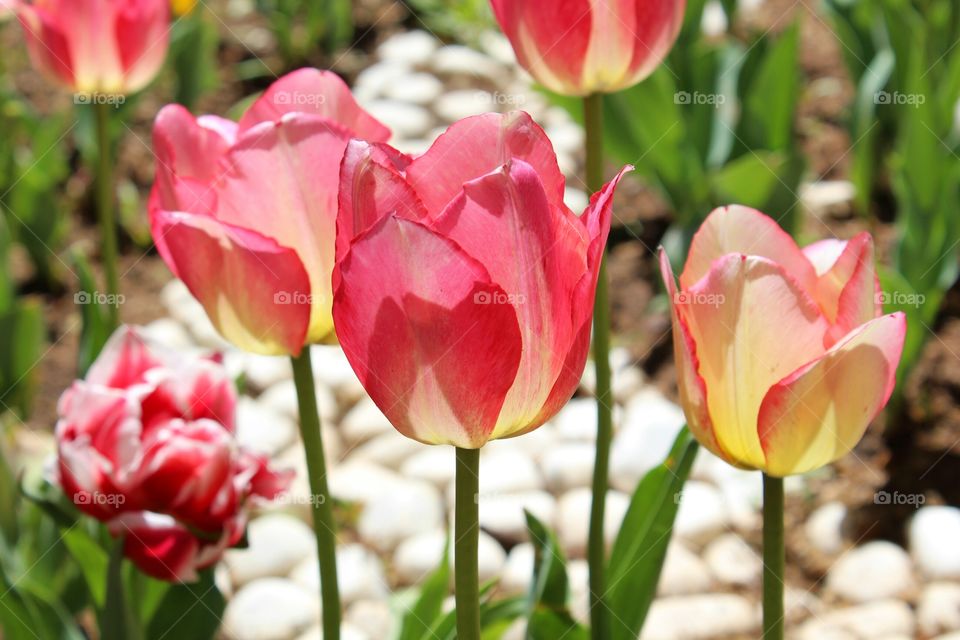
(117, 620)
(596, 552)
(323, 525)
(774, 558)
(466, 539)
(108, 223)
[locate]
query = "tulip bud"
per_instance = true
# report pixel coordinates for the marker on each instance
(783, 355)
(581, 47)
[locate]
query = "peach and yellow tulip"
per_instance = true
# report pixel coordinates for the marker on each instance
(245, 213)
(783, 355)
(580, 47)
(97, 46)
(463, 294)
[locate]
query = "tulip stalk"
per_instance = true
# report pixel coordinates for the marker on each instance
(323, 525)
(774, 558)
(105, 213)
(596, 552)
(466, 541)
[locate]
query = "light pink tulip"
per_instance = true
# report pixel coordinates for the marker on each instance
(146, 445)
(245, 213)
(97, 46)
(783, 355)
(580, 47)
(464, 285)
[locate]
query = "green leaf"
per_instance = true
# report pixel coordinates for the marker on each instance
(21, 347)
(420, 618)
(188, 611)
(116, 618)
(641, 545)
(92, 560)
(96, 323)
(771, 98)
(549, 615)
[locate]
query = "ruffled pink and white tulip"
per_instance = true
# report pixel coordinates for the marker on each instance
(464, 285)
(97, 46)
(783, 355)
(580, 47)
(245, 212)
(146, 445)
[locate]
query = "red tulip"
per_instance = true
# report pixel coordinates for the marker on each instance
(580, 47)
(97, 46)
(783, 355)
(146, 445)
(245, 213)
(464, 286)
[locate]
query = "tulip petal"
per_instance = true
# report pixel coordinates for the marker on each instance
(738, 315)
(46, 43)
(243, 280)
(124, 360)
(318, 93)
(473, 147)
(737, 229)
(158, 545)
(282, 179)
(142, 33)
(413, 319)
(819, 412)
(692, 388)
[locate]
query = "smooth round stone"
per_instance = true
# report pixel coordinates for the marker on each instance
(567, 137)
(360, 481)
(436, 465)
(650, 427)
(169, 333)
(404, 509)
(298, 499)
(502, 515)
(508, 471)
(881, 619)
(262, 371)
(578, 201)
(824, 528)
(416, 88)
(278, 542)
(359, 574)
(282, 398)
(934, 535)
(347, 632)
(389, 450)
(533, 444)
(732, 561)
(496, 45)
(270, 609)
(412, 147)
(331, 368)
(363, 422)
(263, 430)
(578, 576)
(416, 558)
(700, 617)
(577, 421)
(405, 120)
(939, 608)
(411, 47)
(372, 617)
(702, 512)
(460, 60)
(684, 573)
(373, 81)
(819, 196)
(573, 519)
(714, 20)
(876, 571)
(518, 571)
(180, 303)
(457, 105)
(568, 466)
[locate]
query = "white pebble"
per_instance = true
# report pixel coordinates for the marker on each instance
(405, 509)
(874, 571)
(934, 536)
(277, 543)
(270, 609)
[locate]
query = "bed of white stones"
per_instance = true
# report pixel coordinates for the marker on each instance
(710, 586)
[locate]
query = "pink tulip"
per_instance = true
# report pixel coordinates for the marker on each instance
(146, 445)
(245, 213)
(581, 47)
(97, 46)
(464, 286)
(783, 355)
